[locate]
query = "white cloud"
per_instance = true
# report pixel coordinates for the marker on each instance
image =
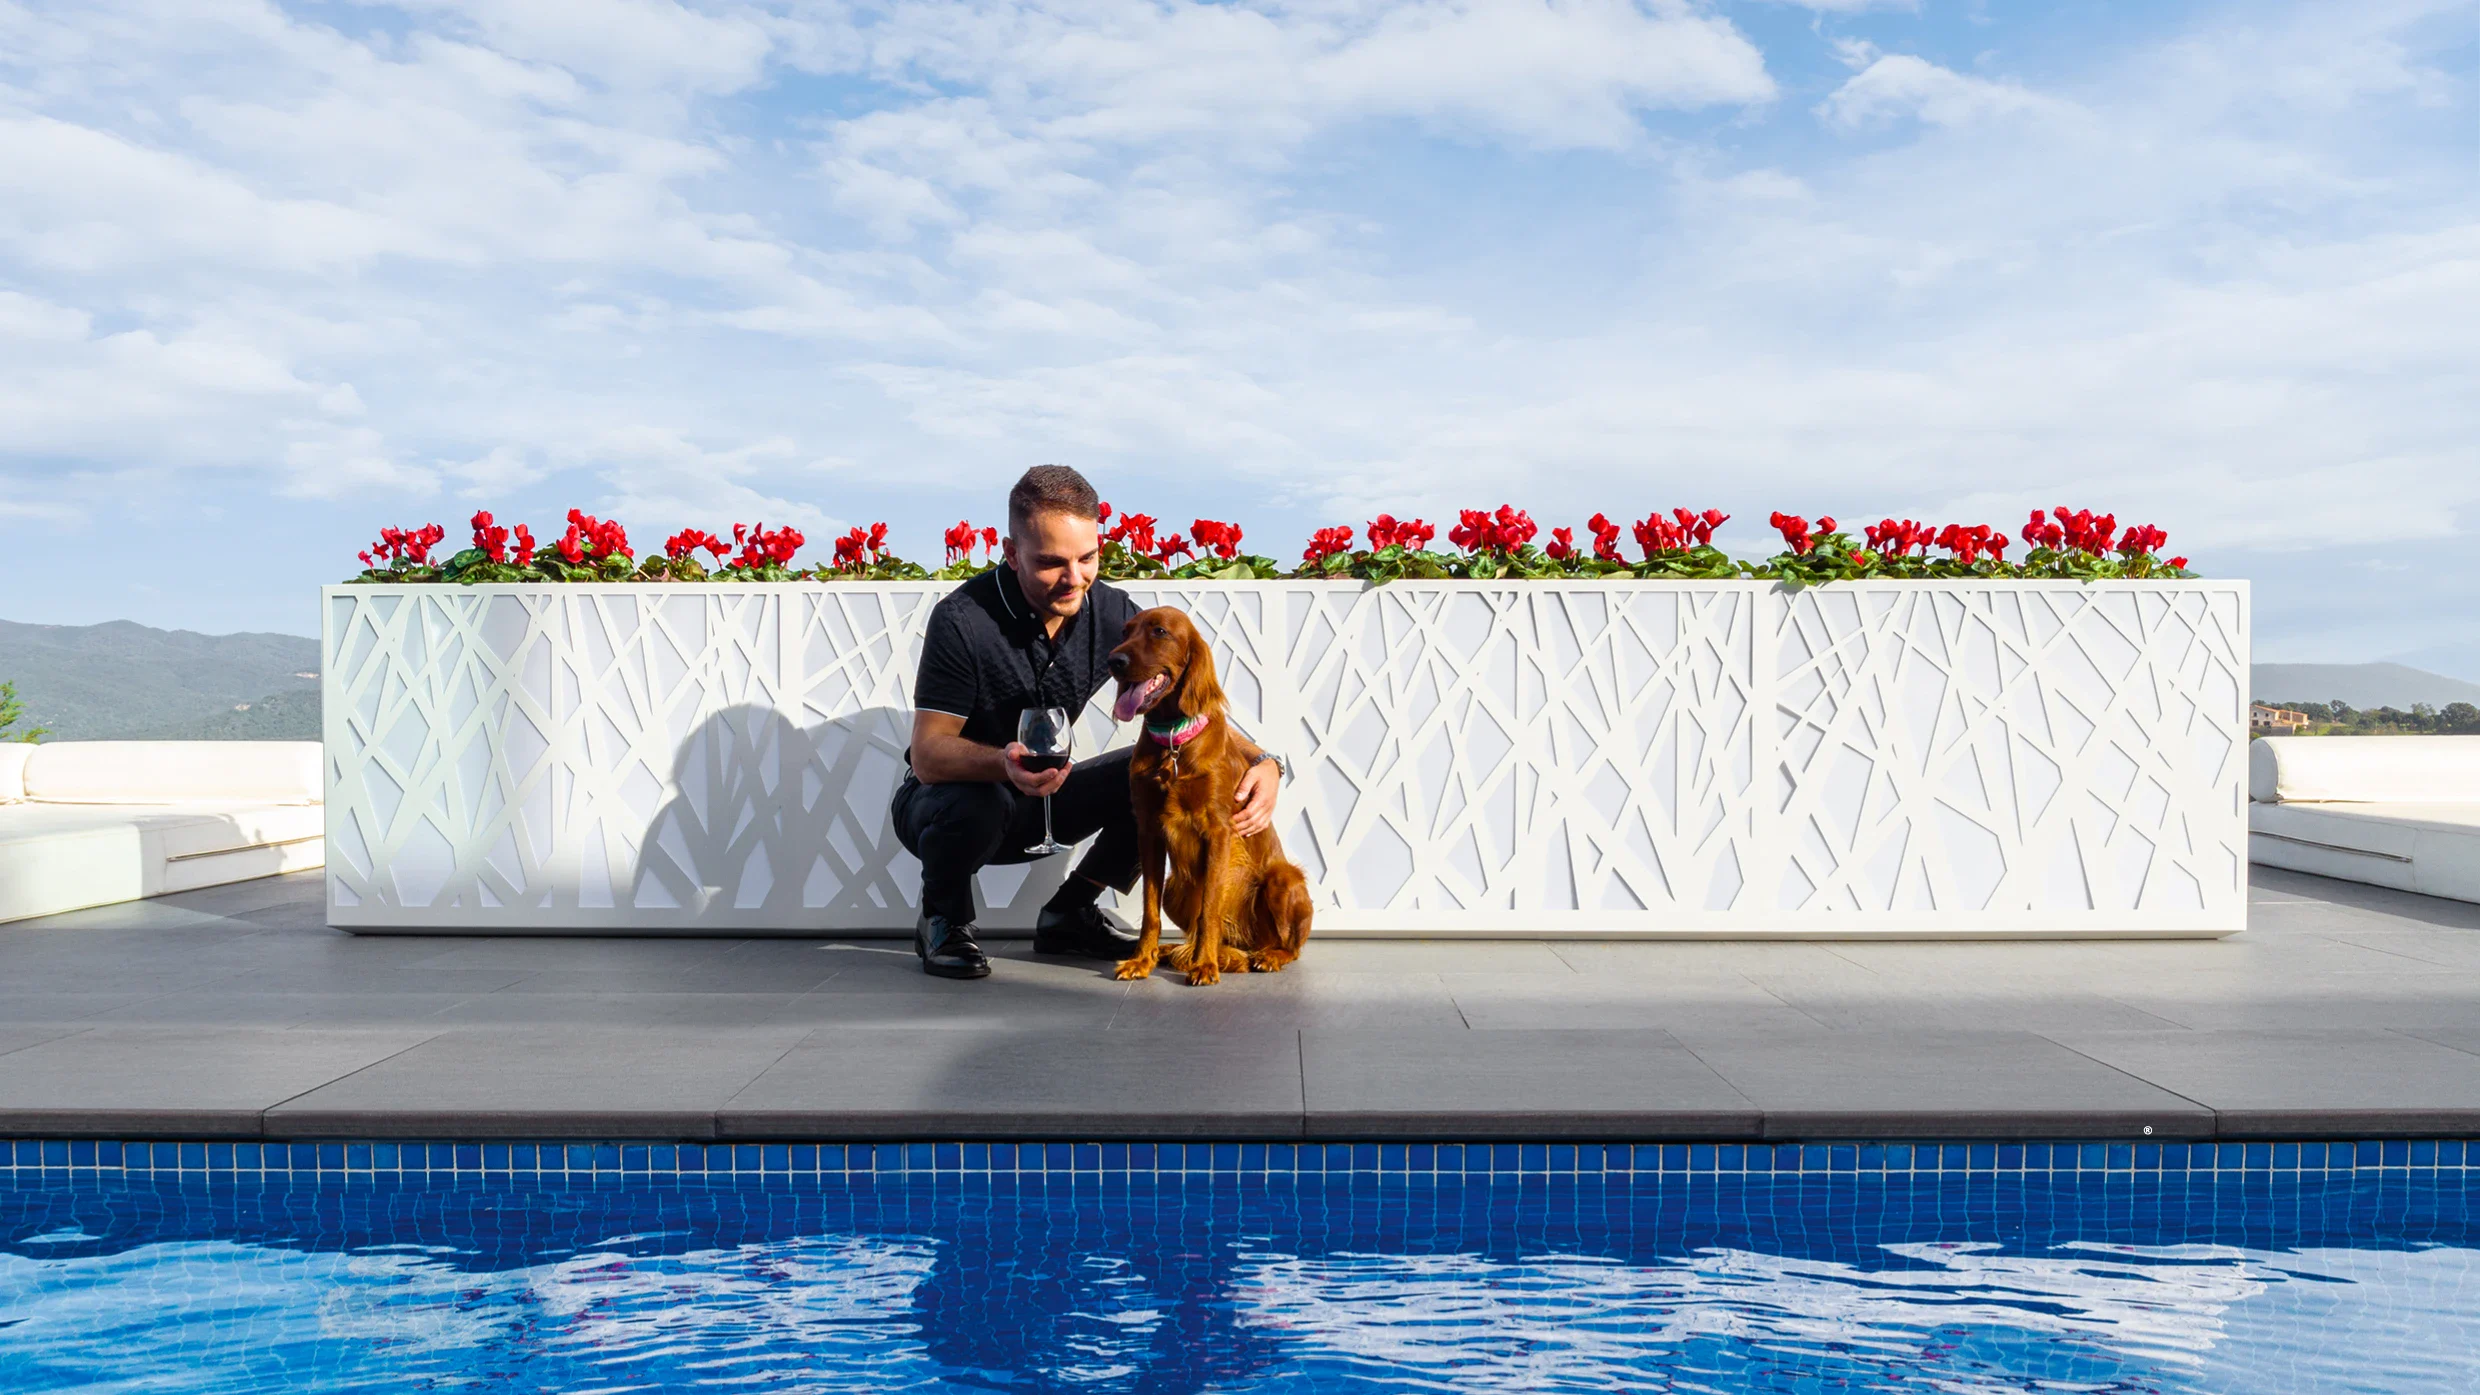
(1897, 85)
(1292, 261)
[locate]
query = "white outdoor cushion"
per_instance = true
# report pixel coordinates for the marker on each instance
(2431, 848)
(174, 772)
(13, 756)
(2364, 769)
(63, 857)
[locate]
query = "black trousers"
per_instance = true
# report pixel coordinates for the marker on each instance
(959, 829)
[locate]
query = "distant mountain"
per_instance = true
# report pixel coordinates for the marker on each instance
(2455, 660)
(2360, 685)
(292, 716)
(122, 680)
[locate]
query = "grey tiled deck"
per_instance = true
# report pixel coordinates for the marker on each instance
(235, 1012)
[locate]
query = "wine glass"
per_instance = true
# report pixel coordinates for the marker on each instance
(1046, 736)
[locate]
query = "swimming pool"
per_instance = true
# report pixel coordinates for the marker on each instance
(2229, 1267)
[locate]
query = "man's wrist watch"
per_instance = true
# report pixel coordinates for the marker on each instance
(1281, 767)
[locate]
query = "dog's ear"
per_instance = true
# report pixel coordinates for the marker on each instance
(1200, 694)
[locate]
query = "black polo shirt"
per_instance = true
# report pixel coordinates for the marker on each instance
(985, 657)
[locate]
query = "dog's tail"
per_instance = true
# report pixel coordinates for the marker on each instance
(1285, 889)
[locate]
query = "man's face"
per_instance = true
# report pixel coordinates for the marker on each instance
(1055, 557)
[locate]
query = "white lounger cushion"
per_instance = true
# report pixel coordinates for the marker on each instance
(174, 772)
(2432, 848)
(63, 857)
(13, 756)
(2364, 769)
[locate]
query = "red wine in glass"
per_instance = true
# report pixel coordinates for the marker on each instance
(1045, 734)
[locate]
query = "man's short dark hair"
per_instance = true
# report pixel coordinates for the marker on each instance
(1051, 489)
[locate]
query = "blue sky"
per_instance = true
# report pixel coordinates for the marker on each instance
(272, 276)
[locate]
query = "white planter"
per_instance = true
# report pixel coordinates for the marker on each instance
(1530, 758)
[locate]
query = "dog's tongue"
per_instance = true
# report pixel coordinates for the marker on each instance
(1133, 700)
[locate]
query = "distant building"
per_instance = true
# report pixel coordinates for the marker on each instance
(2275, 721)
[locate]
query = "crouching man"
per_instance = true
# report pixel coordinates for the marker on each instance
(1035, 631)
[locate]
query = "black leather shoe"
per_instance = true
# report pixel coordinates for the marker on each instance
(947, 949)
(1086, 932)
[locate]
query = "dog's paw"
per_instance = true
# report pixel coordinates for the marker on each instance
(1269, 961)
(1199, 975)
(1234, 960)
(1177, 955)
(1135, 967)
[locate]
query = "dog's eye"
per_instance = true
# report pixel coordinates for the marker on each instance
(1161, 633)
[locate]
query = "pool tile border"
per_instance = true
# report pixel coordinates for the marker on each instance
(34, 1159)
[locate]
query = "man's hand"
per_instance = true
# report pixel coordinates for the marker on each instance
(1253, 812)
(1032, 782)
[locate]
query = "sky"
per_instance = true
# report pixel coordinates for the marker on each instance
(273, 276)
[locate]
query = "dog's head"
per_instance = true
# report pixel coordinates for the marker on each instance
(1163, 663)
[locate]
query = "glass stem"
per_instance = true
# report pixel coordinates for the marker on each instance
(1047, 839)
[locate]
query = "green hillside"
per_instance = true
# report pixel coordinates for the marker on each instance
(121, 680)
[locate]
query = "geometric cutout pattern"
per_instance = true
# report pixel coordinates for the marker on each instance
(1542, 757)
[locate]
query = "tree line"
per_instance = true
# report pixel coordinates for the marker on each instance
(2340, 718)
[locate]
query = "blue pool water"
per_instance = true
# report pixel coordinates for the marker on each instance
(591, 1269)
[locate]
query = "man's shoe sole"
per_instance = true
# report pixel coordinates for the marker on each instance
(961, 971)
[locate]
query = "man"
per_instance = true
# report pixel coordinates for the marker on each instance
(1035, 631)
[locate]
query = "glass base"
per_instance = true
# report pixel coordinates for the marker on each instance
(1047, 846)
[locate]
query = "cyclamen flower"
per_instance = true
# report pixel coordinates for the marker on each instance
(962, 538)
(759, 546)
(1387, 531)
(404, 545)
(1562, 544)
(1170, 547)
(1134, 531)
(1605, 538)
(689, 540)
(490, 538)
(1223, 539)
(1503, 531)
(859, 548)
(591, 537)
(1893, 539)
(1326, 542)
(1796, 532)
(2141, 540)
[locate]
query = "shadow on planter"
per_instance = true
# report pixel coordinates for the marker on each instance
(776, 827)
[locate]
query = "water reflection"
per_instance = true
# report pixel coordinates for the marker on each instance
(2324, 1286)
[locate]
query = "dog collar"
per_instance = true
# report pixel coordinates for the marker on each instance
(1178, 734)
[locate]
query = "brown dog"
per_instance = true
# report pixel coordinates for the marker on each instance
(1240, 903)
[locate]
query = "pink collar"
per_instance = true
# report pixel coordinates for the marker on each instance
(1177, 735)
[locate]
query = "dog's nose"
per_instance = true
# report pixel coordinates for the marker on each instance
(1117, 663)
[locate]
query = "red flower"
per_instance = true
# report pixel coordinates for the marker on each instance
(1170, 547)
(960, 540)
(401, 545)
(1326, 542)
(1386, 531)
(1605, 537)
(1562, 544)
(760, 545)
(2141, 540)
(689, 540)
(588, 536)
(2178, 564)
(1796, 531)
(990, 541)
(1134, 531)
(490, 538)
(862, 547)
(1503, 531)
(524, 550)
(1223, 539)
